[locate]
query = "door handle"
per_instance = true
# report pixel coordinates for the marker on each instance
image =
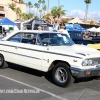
(16, 47)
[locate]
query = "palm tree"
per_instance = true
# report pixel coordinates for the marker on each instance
(23, 16)
(21, 1)
(57, 11)
(40, 11)
(36, 18)
(18, 12)
(29, 4)
(12, 6)
(48, 15)
(41, 2)
(36, 5)
(87, 4)
(44, 8)
(30, 15)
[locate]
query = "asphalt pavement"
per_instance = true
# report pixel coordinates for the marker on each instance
(21, 83)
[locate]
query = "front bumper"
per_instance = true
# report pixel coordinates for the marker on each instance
(85, 73)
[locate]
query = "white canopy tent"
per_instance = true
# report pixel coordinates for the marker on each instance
(93, 29)
(98, 29)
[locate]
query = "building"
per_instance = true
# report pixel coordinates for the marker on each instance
(76, 20)
(5, 11)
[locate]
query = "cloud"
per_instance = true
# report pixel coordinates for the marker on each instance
(73, 13)
(35, 11)
(81, 14)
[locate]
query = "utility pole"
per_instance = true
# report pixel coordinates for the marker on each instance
(48, 6)
(58, 3)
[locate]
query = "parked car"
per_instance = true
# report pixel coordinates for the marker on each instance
(50, 52)
(81, 35)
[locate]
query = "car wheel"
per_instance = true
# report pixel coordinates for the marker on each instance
(1, 61)
(61, 75)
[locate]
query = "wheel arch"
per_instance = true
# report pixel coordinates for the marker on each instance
(2, 55)
(56, 62)
(4, 64)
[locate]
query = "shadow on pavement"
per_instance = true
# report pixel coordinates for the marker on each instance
(31, 71)
(48, 76)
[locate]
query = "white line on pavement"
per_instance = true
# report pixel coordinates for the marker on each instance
(56, 96)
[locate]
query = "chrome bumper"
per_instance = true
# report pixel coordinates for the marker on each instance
(85, 73)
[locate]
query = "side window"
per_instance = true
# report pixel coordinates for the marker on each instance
(45, 38)
(30, 38)
(16, 38)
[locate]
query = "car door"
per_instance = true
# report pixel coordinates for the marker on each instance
(8, 47)
(29, 53)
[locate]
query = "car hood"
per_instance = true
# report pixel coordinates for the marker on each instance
(76, 50)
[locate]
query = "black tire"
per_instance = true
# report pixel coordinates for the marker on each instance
(1, 61)
(60, 72)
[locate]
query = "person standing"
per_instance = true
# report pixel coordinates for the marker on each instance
(39, 28)
(62, 29)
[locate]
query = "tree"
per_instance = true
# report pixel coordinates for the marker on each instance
(57, 11)
(41, 2)
(30, 16)
(64, 20)
(92, 23)
(87, 4)
(44, 8)
(23, 16)
(12, 6)
(36, 18)
(36, 5)
(29, 4)
(18, 12)
(47, 16)
(40, 11)
(21, 1)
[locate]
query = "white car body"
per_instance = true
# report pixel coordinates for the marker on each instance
(42, 57)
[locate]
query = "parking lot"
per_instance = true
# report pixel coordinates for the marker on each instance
(21, 78)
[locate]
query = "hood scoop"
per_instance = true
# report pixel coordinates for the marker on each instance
(82, 54)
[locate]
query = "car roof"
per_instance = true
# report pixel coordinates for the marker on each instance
(29, 31)
(36, 31)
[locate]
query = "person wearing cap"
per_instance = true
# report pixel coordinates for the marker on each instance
(39, 28)
(62, 29)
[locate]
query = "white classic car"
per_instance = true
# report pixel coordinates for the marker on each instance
(50, 51)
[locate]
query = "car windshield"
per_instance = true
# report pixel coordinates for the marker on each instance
(55, 39)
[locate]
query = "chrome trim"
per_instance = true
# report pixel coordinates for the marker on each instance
(43, 51)
(81, 54)
(21, 55)
(82, 70)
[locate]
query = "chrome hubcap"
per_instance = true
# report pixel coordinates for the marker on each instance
(61, 75)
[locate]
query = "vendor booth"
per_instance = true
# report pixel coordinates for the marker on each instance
(8, 24)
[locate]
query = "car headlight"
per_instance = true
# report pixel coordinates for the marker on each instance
(87, 62)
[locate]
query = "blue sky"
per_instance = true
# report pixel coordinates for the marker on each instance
(76, 8)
